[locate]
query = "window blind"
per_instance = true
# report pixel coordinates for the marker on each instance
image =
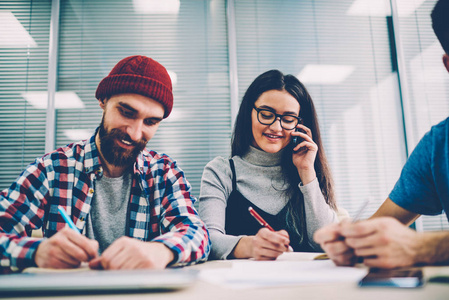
(24, 40)
(358, 106)
(427, 79)
(343, 51)
(191, 43)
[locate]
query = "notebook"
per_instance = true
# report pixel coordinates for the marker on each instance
(90, 281)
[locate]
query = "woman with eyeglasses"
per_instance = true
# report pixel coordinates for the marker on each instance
(289, 185)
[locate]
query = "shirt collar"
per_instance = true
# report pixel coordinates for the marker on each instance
(92, 157)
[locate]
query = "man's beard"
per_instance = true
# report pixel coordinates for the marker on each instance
(113, 153)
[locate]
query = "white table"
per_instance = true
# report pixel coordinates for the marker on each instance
(345, 291)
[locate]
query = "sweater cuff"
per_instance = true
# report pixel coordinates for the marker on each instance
(310, 187)
(223, 245)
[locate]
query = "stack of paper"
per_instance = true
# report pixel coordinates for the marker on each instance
(252, 274)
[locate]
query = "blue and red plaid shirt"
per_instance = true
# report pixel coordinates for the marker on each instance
(160, 207)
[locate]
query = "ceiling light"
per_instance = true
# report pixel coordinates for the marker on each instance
(325, 74)
(12, 33)
(156, 6)
(382, 8)
(173, 77)
(77, 134)
(63, 100)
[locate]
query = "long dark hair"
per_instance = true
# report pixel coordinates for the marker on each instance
(242, 136)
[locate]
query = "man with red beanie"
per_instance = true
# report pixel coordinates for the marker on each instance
(133, 207)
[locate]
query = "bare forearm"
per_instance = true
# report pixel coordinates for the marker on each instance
(307, 175)
(166, 255)
(391, 209)
(433, 248)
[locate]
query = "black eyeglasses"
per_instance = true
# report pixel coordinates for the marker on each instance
(267, 117)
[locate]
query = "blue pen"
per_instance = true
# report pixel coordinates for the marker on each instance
(67, 219)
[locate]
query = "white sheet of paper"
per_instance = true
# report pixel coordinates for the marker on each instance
(252, 274)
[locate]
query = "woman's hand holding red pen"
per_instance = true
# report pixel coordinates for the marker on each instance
(265, 245)
(268, 245)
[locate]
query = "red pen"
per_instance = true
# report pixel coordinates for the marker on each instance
(259, 218)
(263, 222)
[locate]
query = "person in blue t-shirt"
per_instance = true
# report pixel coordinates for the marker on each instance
(384, 240)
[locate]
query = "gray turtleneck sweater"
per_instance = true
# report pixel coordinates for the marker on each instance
(260, 181)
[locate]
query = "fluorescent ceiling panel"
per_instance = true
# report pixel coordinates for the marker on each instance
(175, 115)
(156, 6)
(63, 100)
(173, 77)
(12, 33)
(325, 74)
(77, 134)
(377, 8)
(382, 8)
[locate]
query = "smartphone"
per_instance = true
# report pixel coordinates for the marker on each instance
(297, 139)
(397, 278)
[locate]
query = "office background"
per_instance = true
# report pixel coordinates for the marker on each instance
(373, 68)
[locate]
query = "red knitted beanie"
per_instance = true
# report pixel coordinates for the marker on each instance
(139, 75)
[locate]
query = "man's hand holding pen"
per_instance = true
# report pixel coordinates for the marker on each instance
(333, 239)
(66, 249)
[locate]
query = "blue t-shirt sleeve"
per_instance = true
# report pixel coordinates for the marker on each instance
(415, 190)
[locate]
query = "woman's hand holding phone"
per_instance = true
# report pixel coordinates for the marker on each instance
(304, 153)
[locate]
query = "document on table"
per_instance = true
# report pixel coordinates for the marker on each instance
(252, 274)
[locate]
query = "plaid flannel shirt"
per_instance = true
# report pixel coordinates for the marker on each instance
(160, 207)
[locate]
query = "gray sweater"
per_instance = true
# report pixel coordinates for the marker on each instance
(259, 180)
